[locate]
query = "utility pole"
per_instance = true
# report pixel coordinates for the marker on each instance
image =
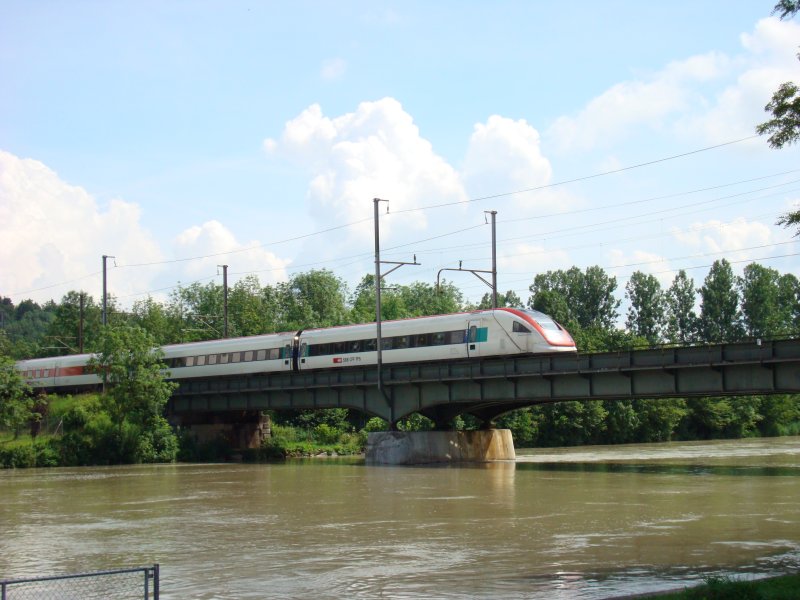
(476, 272)
(378, 279)
(105, 293)
(225, 299)
(80, 325)
(494, 258)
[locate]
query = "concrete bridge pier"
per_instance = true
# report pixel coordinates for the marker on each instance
(420, 447)
(240, 429)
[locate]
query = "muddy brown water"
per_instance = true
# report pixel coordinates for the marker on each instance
(556, 523)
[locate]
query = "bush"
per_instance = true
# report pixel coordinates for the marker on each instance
(27, 454)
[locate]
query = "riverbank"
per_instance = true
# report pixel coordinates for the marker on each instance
(784, 587)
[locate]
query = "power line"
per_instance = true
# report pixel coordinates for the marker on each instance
(577, 179)
(346, 225)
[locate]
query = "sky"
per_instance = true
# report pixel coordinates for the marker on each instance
(179, 136)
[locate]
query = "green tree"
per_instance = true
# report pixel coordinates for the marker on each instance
(719, 307)
(137, 393)
(199, 308)
(622, 422)
(780, 415)
(423, 299)
(252, 309)
(510, 299)
(646, 314)
(570, 423)
(712, 418)
(156, 319)
(64, 332)
(16, 402)
(788, 305)
(784, 126)
(587, 298)
(759, 292)
(682, 321)
(659, 419)
(313, 299)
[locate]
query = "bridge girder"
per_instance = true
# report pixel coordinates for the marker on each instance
(490, 387)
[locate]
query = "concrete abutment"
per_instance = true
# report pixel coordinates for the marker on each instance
(420, 447)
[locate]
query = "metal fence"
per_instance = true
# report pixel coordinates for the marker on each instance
(121, 584)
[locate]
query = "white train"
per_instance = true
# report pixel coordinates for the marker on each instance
(482, 333)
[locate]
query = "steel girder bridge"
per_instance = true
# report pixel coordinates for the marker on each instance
(487, 388)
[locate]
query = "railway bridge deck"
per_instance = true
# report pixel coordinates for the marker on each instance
(487, 388)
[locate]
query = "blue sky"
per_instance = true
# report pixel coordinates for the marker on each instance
(157, 132)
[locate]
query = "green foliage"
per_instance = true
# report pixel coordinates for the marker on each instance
(16, 403)
(64, 331)
(759, 293)
(27, 454)
(717, 418)
(509, 299)
(287, 441)
(719, 308)
(724, 588)
(586, 298)
(658, 419)
(524, 426)
(780, 415)
(571, 423)
(647, 310)
(415, 422)
(137, 394)
(682, 322)
(376, 424)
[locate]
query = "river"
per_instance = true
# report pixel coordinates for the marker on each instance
(590, 522)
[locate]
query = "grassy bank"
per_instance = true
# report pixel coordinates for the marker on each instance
(786, 587)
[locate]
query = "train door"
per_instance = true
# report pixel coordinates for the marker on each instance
(473, 338)
(298, 350)
(288, 356)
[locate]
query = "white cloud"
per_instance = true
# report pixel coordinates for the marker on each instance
(375, 151)
(624, 264)
(504, 156)
(737, 240)
(717, 96)
(531, 259)
(627, 106)
(333, 68)
(214, 241)
(55, 233)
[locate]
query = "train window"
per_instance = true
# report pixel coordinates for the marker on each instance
(212, 359)
(421, 340)
(261, 354)
(248, 355)
(519, 328)
(201, 360)
(438, 339)
(473, 333)
(400, 342)
(370, 345)
(46, 373)
(339, 348)
(224, 358)
(274, 353)
(189, 361)
(355, 346)
(543, 320)
(456, 337)
(386, 343)
(236, 357)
